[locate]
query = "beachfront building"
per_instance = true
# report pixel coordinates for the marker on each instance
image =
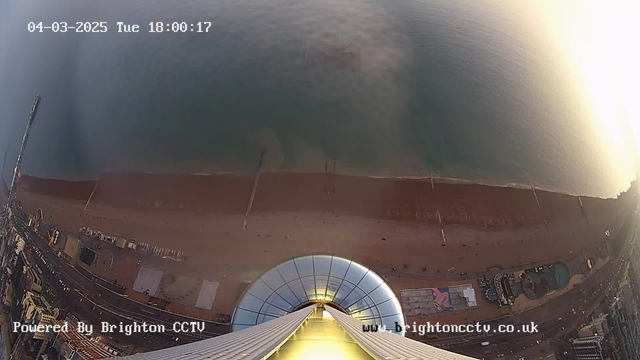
(73, 345)
(534, 283)
(541, 280)
(36, 313)
(502, 288)
(312, 307)
(587, 348)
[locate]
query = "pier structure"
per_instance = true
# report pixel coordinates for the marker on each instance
(23, 146)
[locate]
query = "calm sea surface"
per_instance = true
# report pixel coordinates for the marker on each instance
(463, 89)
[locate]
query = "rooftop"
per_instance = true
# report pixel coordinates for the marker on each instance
(84, 346)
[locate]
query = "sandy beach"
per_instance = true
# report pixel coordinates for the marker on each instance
(384, 224)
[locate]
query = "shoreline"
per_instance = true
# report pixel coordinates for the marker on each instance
(414, 200)
(437, 179)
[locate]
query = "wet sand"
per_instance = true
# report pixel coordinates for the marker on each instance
(404, 200)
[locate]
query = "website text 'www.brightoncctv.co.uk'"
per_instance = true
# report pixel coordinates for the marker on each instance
(431, 328)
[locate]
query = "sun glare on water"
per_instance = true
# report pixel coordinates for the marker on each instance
(612, 72)
(599, 40)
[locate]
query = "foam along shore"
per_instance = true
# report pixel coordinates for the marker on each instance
(422, 200)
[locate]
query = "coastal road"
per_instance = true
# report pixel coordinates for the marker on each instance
(554, 319)
(105, 304)
(73, 301)
(109, 298)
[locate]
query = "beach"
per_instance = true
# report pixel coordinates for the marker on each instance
(384, 224)
(394, 199)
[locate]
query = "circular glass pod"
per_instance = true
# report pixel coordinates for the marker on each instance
(344, 284)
